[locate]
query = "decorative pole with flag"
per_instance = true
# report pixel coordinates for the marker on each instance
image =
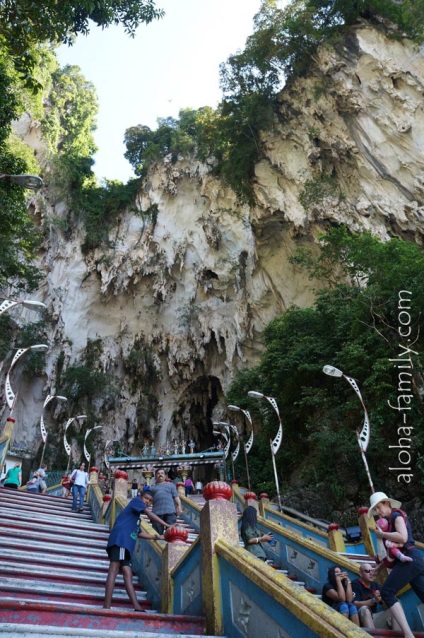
(246, 446)
(65, 441)
(86, 452)
(364, 435)
(274, 443)
(10, 395)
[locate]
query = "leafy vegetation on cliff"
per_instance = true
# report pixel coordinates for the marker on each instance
(29, 79)
(26, 23)
(368, 328)
(280, 49)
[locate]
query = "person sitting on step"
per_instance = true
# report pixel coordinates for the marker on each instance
(251, 535)
(337, 592)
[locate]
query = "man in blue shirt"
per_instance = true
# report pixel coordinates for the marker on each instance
(121, 545)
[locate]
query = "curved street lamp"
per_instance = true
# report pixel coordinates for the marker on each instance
(65, 442)
(228, 428)
(8, 304)
(225, 449)
(44, 434)
(32, 182)
(364, 435)
(246, 446)
(10, 395)
(276, 443)
(86, 452)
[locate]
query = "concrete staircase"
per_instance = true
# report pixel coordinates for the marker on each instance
(53, 568)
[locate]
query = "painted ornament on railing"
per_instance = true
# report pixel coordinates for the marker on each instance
(218, 491)
(94, 469)
(250, 496)
(176, 534)
(120, 474)
(333, 527)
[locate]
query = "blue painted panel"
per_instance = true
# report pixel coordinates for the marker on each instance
(188, 584)
(292, 525)
(248, 606)
(147, 565)
(190, 515)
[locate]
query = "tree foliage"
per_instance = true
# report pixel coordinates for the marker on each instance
(24, 23)
(281, 48)
(354, 325)
(18, 238)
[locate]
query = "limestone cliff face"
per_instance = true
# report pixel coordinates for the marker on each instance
(196, 282)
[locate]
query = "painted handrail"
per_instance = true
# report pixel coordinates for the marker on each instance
(258, 597)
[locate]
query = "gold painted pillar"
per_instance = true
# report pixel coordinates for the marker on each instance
(218, 520)
(335, 538)
(170, 557)
(121, 484)
(263, 502)
(365, 525)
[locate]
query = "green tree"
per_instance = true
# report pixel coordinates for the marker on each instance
(354, 326)
(24, 23)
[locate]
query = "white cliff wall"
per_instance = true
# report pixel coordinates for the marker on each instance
(200, 283)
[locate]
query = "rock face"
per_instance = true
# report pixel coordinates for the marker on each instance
(194, 283)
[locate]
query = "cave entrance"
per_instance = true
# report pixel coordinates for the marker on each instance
(193, 417)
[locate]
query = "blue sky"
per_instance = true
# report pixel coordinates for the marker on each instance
(171, 64)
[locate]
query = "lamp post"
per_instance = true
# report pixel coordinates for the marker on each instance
(275, 444)
(86, 453)
(8, 304)
(65, 442)
(246, 446)
(364, 435)
(225, 449)
(228, 428)
(10, 395)
(44, 434)
(32, 182)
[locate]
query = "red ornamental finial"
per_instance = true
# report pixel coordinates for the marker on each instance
(11, 419)
(363, 510)
(107, 498)
(120, 474)
(263, 495)
(94, 469)
(333, 527)
(218, 491)
(176, 534)
(250, 496)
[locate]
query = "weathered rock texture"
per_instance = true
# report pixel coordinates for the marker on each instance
(200, 279)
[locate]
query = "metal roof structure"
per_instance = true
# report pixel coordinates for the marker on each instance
(125, 462)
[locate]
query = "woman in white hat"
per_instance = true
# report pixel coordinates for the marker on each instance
(402, 574)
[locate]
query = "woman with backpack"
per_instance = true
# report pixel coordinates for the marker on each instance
(403, 573)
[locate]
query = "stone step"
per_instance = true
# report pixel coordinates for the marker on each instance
(42, 558)
(68, 519)
(85, 617)
(84, 518)
(23, 631)
(10, 542)
(29, 536)
(16, 584)
(15, 520)
(51, 573)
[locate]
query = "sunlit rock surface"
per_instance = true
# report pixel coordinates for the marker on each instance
(199, 280)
